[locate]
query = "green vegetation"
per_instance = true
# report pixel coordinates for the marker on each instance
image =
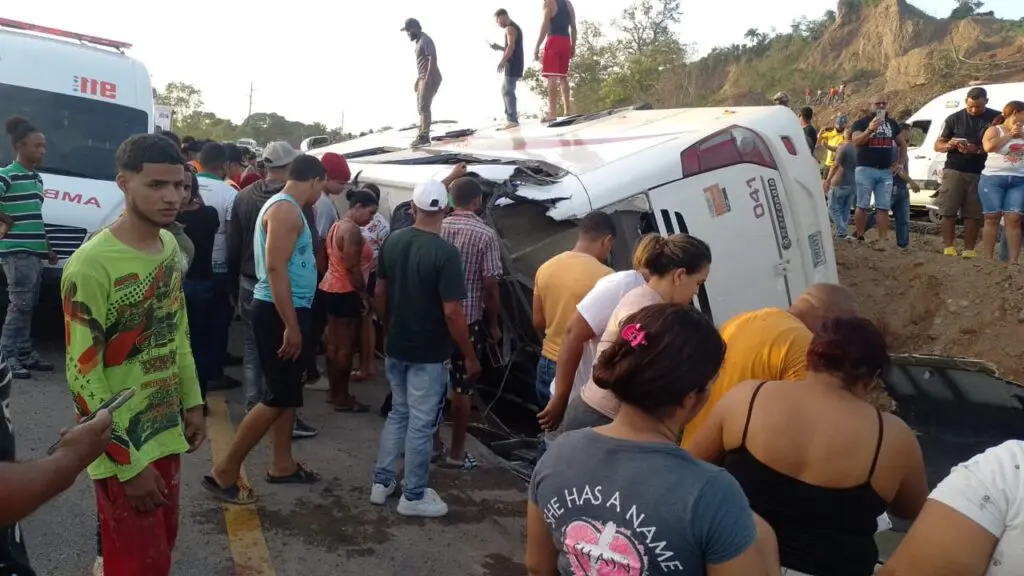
(189, 118)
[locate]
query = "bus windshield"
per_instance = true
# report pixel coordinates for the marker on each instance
(82, 134)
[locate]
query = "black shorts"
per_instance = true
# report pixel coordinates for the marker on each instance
(283, 377)
(343, 305)
(478, 339)
(371, 284)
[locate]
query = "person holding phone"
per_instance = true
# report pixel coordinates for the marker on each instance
(961, 141)
(126, 328)
(25, 486)
(874, 136)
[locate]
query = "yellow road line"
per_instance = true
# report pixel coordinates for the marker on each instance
(245, 533)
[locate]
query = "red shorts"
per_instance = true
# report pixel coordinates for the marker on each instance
(135, 543)
(557, 52)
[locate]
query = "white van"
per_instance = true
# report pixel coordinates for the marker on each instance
(87, 97)
(739, 178)
(925, 163)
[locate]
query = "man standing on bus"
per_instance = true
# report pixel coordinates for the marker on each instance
(428, 77)
(558, 36)
(23, 245)
(511, 65)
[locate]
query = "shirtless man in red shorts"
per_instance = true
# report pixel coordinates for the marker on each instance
(558, 36)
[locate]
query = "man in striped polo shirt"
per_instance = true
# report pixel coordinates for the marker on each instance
(24, 245)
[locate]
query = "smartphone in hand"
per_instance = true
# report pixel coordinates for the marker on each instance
(111, 405)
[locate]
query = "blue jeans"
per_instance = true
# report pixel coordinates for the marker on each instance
(200, 299)
(545, 374)
(900, 214)
(875, 182)
(253, 384)
(508, 94)
(417, 391)
(840, 205)
(1001, 193)
(24, 274)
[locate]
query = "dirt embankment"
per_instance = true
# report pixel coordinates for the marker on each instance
(928, 303)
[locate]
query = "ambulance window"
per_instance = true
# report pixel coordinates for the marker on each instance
(82, 134)
(918, 132)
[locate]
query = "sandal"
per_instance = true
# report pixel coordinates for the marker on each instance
(301, 475)
(238, 493)
(468, 463)
(360, 376)
(352, 405)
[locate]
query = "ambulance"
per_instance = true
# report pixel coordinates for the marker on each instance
(87, 97)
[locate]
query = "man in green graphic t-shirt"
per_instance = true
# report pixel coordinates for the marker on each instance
(126, 327)
(23, 245)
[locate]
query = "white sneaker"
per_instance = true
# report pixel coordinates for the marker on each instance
(319, 385)
(380, 493)
(430, 506)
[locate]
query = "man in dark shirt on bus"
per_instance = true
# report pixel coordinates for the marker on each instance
(965, 158)
(511, 65)
(428, 77)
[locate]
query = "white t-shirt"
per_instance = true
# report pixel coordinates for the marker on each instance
(596, 308)
(221, 196)
(326, 214)
(989, 489)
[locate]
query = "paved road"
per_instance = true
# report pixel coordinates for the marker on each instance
(326, 529)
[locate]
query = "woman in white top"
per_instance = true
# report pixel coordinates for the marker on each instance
(1001, 187)
(578, 353)
(676, 267)
(972, 523)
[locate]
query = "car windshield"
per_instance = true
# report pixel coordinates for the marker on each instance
(82, 134)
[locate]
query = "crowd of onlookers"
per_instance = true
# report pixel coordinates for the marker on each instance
(671, 445)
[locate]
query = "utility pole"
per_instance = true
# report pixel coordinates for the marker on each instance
(341, 129)
(250, 98)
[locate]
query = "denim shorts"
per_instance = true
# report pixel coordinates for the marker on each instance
(1001, 193)
(876, 182)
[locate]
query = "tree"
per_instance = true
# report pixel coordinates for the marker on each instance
(647, 25)
(184, 99)
(190, 119)
(965, 9)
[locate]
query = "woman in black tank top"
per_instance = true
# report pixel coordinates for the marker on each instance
(815, 459)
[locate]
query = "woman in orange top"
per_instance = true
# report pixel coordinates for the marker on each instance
(343, 291)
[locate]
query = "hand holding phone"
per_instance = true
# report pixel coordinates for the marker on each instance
(108, 408)
(85, 442)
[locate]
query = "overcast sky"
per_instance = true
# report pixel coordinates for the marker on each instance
(317, 60)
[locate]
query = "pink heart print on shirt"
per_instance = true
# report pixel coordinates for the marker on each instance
(596, 549)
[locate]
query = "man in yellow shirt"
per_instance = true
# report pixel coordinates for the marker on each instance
(561, 283)
(771, 343)
(831, 139)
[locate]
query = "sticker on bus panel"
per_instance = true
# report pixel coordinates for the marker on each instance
(93, 87)
(717, 200)
(780, 215)
(817, 249)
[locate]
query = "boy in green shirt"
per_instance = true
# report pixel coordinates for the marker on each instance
(126, 327)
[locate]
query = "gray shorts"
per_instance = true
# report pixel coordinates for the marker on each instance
(581, 415)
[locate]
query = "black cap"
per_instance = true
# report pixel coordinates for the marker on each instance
(234, 154)
(411, 24)
(977, 93)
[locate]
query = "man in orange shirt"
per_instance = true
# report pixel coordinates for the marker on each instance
(561, 283)
(771, 343)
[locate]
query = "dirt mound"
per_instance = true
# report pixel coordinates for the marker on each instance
(928, 303)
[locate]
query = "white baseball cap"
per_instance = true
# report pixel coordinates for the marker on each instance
(430, 196)
(279, 154)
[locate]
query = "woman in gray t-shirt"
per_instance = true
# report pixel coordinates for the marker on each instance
(624, 498)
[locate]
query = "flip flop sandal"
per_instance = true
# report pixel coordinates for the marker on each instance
(438, 454)
(301, 475)
(238, 493)
(468, 463)
(353, 406)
